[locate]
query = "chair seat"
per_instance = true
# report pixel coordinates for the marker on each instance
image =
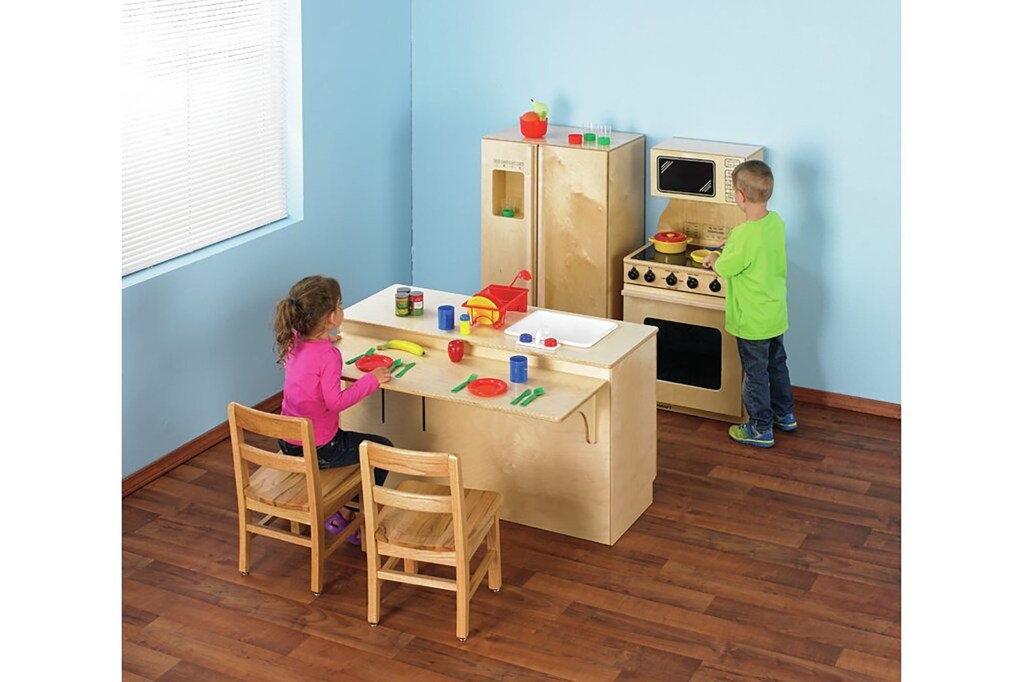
(288, 490)
(435, 532)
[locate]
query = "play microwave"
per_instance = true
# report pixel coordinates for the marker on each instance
(699, 170)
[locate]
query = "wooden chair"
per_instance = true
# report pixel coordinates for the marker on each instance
(422, 521)
(286, 487)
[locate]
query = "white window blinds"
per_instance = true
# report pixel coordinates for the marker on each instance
(203, 139)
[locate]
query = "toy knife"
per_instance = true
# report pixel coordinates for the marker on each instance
(371, 351)
(522, 395)
(472, 377)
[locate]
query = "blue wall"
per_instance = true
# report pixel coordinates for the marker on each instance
(816, 83)
(197, 335)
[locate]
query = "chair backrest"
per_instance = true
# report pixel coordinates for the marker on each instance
(413, 463)
(242, 420)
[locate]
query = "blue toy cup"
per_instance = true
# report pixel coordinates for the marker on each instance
(517, 369)
(446, 317)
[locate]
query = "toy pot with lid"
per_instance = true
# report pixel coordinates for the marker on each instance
(669, 242)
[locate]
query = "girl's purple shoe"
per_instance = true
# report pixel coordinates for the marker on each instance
(335, 524)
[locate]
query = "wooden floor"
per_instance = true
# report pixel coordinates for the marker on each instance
(751, 564)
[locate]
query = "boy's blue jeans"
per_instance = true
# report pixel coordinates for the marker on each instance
(766, 388)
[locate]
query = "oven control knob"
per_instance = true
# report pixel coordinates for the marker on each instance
(692, 282)
(649, 276)
(671, 279)
(633, 273)
(715, 286)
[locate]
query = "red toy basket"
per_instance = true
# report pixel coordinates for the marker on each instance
(489, 305)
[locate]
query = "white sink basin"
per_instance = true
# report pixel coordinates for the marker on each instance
(570, 330)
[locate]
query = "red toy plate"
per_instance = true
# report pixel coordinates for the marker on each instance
(487, 387)
(368, 363)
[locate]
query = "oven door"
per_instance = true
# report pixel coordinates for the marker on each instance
(699, 368)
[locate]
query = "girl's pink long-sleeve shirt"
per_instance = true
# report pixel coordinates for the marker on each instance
(312, 386)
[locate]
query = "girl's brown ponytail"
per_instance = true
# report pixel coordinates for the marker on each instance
(309, 302)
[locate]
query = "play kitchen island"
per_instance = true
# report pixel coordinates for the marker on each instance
(579, 458)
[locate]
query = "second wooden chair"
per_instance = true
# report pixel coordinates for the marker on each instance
(423, 521)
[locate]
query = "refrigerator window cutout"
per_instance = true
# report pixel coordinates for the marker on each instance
(509, 188)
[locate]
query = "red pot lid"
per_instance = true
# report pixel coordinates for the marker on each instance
(670, 237)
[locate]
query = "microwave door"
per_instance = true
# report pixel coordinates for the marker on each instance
(691, 177)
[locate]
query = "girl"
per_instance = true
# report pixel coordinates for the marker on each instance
(304, 327)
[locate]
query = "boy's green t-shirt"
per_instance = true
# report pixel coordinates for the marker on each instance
(753, 264)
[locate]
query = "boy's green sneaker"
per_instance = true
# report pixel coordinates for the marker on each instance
(786, 422)
(742, 433)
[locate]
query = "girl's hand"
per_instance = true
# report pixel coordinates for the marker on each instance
(383, 374)
(334, 336)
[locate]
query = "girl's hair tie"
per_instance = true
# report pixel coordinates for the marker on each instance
(294, 302)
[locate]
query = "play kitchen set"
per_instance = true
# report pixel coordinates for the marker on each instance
(666, 286)
(566, 204)
(565, 432)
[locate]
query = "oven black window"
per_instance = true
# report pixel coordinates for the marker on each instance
(688, 354)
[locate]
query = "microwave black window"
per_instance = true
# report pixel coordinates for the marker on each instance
(695, 177)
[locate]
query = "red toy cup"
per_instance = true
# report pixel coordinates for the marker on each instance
(533, 128)
(456, 349)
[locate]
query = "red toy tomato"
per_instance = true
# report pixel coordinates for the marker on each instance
(530, 116)
(456, 349)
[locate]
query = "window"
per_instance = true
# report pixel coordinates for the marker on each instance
(203, 124)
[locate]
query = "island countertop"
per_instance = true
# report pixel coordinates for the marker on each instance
(379, 310)
(579, 460)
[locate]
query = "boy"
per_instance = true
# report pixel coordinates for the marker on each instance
(753, 264)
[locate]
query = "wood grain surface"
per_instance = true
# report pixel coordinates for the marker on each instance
(778, 564)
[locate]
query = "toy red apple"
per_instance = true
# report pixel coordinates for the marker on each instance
(456, 349)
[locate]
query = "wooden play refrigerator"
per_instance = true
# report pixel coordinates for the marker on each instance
(567, 213)
(579, 460)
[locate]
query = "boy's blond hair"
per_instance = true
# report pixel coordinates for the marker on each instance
(754, 178)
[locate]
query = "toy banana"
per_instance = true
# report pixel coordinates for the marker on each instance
(539, 108)
(401, 344)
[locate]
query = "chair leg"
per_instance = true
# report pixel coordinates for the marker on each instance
(316, 583)
(296, 527)
(494, 544)
(243, 541)
(462, 576)
(373, 592)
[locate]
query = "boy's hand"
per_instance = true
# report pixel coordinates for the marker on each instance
(709, 260)
(383, 374)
